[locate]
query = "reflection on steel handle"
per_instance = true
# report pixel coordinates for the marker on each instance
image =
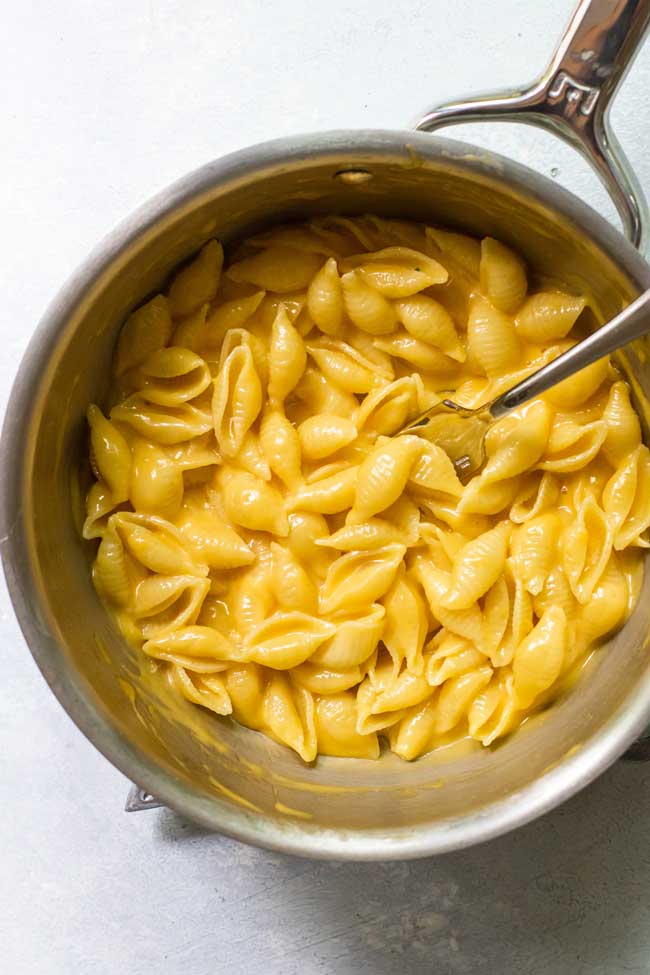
(572, 100)
(630, 324)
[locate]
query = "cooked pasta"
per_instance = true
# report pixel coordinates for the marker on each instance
(282, 554)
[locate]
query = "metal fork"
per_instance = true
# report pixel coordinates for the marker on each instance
(461, 431)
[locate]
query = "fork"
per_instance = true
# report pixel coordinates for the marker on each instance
(461, 431)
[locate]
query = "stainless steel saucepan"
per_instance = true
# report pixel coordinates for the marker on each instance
(222, 775)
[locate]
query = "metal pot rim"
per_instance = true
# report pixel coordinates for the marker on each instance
(553, 787)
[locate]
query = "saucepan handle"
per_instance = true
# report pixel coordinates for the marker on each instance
(572, 100)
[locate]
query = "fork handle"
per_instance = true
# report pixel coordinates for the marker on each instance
(630, 324)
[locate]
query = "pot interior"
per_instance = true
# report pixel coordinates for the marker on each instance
(211, 768)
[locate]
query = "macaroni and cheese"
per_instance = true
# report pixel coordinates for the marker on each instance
(281, 555)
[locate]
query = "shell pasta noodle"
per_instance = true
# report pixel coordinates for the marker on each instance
(279, 552)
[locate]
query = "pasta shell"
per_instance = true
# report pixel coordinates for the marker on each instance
(522, 447)
(281, 446)
(115, 573)
(586, 548)
(190, 333)
(383, 476)
(367, 308)
(198, 648)
(577, 389)
(626, 499)
(236, 401)
(548, 315)
(289, 716)
(336, 718)
(253, 503)
(342, 364)
(156, 484)
(365, 346)
(429, 321)
(491, 713)
(212, 541)
(173, 376)
(453, 656)
(324, 434)
(292, 587)
(156, 544)
(235, 337)
(443, 546)
(99, 505)
(325, 299)
(387, 409)
(162, 424)
(571, 446)
(357, 579)
(246, 685)
(539, 658)
(502, 274)
(556, 591)
(111, 453)
(250, 598)
(397, 272)
(319, 395)
(538, 493)
(405, 691)
(286, 639)
(328, 495)
(476, 568)
(167, 603)
(608, 606)
(371, 534)
(446, 512)
(623, 427)
(157, 551)
(433, 473)
(491, 338)
(197, 282)
(488, 499)
(393, 281)
(318, 680)
(534, 550)
(293, 305)
(230, 314)
(251, 459)
(406, 623)
(465, 251)
(413, 734)
(457, 695)
(207, 690)
(416, 353)
(348, 230)
(354, 641)
(277, 268)
(306, 529)
(302, 238)
(146, 330)
(405, 516)
(287, 358)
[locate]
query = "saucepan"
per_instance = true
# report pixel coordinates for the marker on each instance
(226, 777)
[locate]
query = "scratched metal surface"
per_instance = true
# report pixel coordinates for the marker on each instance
(104, 103)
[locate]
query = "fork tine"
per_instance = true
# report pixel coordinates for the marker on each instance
(462, 440)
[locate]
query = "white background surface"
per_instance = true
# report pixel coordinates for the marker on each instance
(103, 103)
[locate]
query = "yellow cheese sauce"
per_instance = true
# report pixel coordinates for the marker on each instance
(281, 553)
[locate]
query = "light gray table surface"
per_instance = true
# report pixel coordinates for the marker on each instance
(103, 103)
